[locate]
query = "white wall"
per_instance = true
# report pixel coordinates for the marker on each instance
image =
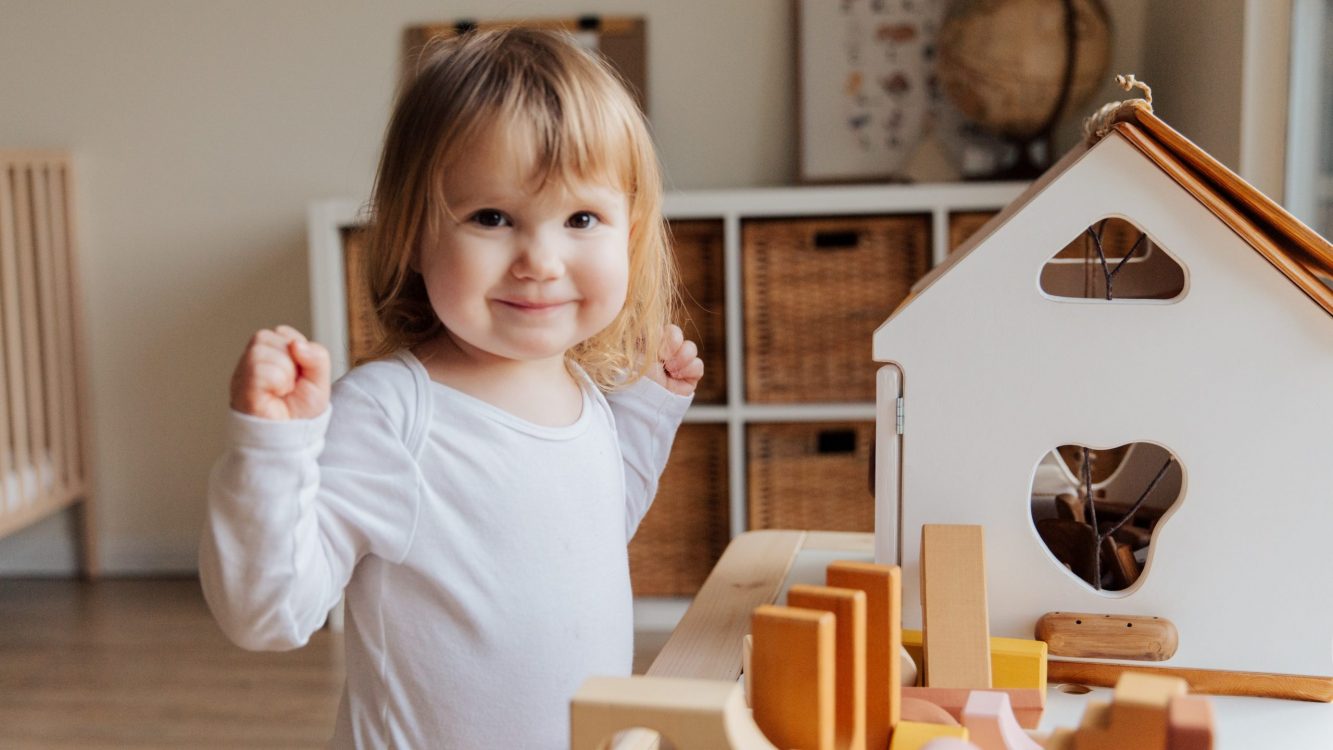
(201, 129)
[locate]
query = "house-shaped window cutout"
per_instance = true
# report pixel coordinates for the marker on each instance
(1113, 254)
(1085, 499)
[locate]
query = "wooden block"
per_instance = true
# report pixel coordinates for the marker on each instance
(883, 587)
(687, 713)
(747, 649)
(1093, 636)
(910, 735)
(1060, 739)
(923, 711)
(991, 724)
(1139, 707)
(1136, 717)
(953, 607)
(848, 607)
(1189, 723)
(949, 743)
(1028, 703)
(792, 676)
(1205, 681)
(1014, 662)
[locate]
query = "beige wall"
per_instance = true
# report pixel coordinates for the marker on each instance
(201, 130)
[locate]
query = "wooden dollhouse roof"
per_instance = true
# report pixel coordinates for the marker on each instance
(1293, 248)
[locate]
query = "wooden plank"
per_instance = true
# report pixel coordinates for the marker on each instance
(89, 560)
(848, 607)
(953, 607)
(707, 641)
(48, 342)
(13, 332)
(7, 458)
(32, 367)
(1204, 681)
(60, 323)
(793, 666)
(883, 587)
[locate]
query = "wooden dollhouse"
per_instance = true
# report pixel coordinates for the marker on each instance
(1227, 371)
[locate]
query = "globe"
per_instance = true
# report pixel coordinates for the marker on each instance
(1003, 62)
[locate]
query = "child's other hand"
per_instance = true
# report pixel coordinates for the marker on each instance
(679, 367)
(281, 376)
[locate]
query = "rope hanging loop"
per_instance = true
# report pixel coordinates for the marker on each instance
(1101, 122)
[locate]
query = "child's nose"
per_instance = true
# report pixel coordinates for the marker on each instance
(539, 260)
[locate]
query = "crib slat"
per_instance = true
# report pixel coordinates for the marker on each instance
(75, 321)
(65, 362)
(6, 430)
(46, 284)
(32, 365)
(79, 366)
(18, 402)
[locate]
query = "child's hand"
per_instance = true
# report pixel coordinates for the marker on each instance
(281, 376)
(678, 368)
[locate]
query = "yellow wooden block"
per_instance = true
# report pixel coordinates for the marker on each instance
(1015, 662)
(913, 735)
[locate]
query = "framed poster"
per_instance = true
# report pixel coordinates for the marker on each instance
(621, 41)
(864, 80)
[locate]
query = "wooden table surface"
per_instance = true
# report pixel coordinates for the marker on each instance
(758, 567)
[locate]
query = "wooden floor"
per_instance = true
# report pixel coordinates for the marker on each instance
(140, 664)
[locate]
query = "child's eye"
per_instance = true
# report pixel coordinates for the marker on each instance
(489, 217)
(582, 220)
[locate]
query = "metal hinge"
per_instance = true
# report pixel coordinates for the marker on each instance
(900, 415)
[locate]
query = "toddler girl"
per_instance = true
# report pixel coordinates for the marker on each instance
(473, 488)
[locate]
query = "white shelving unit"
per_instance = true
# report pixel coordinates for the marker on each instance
(733, 207)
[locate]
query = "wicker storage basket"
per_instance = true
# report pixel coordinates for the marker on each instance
(963, 224)
(363, 328)
(688, 526)
(698, 246)
(815, 290)
(810, 476)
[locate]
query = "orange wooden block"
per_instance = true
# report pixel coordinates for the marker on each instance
(1028, 703)
(792, 666)
(848, 607)
(883, 587)
(1189, 723)
(953, 607)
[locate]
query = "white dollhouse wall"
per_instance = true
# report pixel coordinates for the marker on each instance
(1232, 376)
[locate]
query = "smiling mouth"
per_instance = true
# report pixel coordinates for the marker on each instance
(530, 306)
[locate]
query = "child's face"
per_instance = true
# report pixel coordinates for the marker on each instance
(523, 274)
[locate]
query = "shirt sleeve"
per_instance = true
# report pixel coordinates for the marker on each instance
(292, 507)
(647, 417)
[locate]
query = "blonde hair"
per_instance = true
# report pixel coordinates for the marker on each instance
(586, 127)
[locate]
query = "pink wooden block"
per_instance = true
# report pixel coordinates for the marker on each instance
(949, 743)
(991, 724)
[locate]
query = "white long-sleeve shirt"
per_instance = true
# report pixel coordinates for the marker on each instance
(483, 556)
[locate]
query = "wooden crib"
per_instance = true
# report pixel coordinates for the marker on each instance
(43, 404)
